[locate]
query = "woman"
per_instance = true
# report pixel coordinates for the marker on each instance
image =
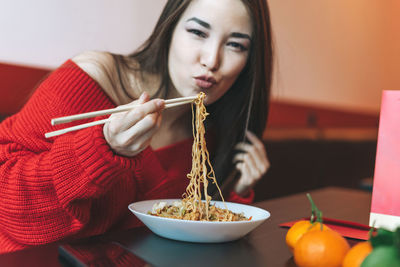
(80, 184)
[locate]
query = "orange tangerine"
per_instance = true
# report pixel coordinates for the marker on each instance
(320, 248)
(298, 230)
(357, 254)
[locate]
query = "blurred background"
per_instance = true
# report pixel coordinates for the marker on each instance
(333, 59)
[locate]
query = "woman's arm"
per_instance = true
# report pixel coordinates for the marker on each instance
(48, 185)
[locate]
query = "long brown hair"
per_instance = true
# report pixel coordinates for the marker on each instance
(245, 105)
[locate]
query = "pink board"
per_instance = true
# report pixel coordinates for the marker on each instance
(385, 206)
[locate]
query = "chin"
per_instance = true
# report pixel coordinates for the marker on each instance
(208, 101)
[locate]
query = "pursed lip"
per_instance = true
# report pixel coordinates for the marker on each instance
(205, 81)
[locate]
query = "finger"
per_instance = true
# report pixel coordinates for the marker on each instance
(239, 157)
(137, 114)
(252, 166)
(144, 97)
(132, 143)
(159, 119)
(241, 168)
(117, 122)
(258, 153)
(247, 159)
(251, 149)
(135, 148)
(243, 147)
(254, 159)
(141, 143)
(246, 179)
(145, 127)
(261, 164)
(255, 141)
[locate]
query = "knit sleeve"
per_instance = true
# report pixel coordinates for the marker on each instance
(248, 199)
(46, 185)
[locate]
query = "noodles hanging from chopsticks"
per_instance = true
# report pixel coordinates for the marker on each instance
(192, 207)
(202, 170)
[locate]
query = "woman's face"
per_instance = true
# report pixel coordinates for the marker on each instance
(209, 48)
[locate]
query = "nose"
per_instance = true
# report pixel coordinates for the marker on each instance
(211, 57)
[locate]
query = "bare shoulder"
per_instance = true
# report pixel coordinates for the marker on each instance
(112, 75)
(94, 62)
(92, 55)
(101, 67)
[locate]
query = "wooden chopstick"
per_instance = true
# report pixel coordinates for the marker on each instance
(75, 128)
(168, 104)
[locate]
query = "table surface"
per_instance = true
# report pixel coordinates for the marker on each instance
(265, 246)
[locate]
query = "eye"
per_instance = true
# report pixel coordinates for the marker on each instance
(237, 46)
(197, 32)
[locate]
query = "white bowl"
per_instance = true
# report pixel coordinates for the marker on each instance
(200, 231)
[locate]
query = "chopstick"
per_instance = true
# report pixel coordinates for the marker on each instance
(75, 128)
(169, 103)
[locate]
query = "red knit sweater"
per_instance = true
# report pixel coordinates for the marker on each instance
(73, 185)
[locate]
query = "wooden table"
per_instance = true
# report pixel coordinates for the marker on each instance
(265, 246)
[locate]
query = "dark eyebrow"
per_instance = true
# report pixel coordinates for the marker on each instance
(208, 26)
(241, 35)
(201, 22)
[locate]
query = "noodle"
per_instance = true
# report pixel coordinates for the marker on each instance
(192, 207)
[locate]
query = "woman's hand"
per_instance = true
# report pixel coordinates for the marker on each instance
(251, 161)
(129, 133)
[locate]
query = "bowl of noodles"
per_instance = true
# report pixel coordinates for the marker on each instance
(199, 231)
(195, 217)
